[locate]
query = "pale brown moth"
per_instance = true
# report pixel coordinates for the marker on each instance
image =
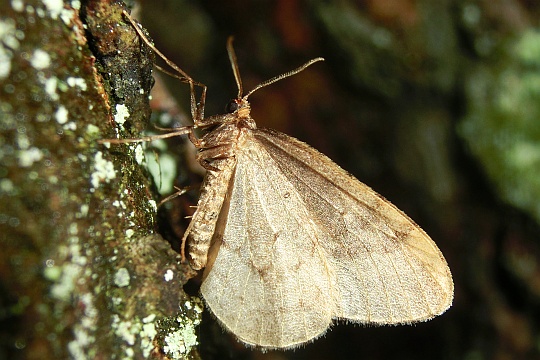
(290, 241)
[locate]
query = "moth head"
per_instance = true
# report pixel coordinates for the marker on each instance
(239, 106)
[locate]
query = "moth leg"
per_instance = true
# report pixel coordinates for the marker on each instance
(197, 108)
(206, 165)
(179, 191)
(194, 140)
(206, 156)
(175, 132)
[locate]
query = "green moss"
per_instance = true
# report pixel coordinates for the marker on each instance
(502, 124)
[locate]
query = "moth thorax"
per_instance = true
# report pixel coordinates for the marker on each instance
(244, 111)
(246, 122)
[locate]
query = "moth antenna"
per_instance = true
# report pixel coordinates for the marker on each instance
(234, 64)
(283, 76)
(197, 109)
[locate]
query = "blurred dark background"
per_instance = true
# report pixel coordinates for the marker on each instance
(434, 104)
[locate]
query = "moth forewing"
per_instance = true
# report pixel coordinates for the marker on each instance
(217, 236)
(203, 223)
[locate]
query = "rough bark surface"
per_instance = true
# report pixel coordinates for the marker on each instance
(83, 273)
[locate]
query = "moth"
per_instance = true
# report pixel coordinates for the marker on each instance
(289, 241)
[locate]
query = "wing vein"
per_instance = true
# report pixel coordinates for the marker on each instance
(398, 275)
(420, 284)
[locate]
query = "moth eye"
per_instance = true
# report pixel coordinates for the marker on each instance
(231, 107)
